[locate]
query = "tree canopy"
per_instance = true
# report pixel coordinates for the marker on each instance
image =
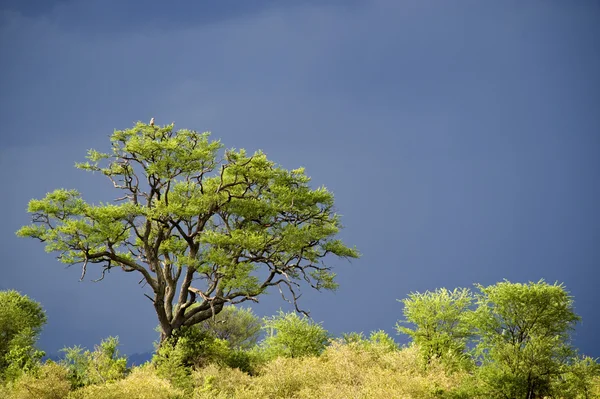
(238, 326)
(203, 227)
(289, 335)
(440, 322)
(21, 321)
(518, 336)
(524, 338)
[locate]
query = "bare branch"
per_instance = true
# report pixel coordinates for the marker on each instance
(83, 269)
(104, 270)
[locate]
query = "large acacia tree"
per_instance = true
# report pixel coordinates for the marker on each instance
(202, 226)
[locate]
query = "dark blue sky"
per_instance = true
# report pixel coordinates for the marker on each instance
(461, 139)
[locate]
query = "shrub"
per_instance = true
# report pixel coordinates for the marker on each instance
(378, 341)
(290, 335)
(50, 381)
(21, 321)
(142, 383)
(102, 365)
(215, 382)
(190, 349)
(342, 371)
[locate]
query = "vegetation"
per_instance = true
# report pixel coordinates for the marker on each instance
(49, 381)
(519, 335)
(203, 228)
(21, 321)
(240, 327)
(507, 340)
(523, 338)
(102, 365)
(208, 231)
(289, 335)
(442, 329)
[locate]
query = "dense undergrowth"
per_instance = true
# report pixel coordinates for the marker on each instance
(344, 370)
(355, 368)
(341, 371)
(457, 352)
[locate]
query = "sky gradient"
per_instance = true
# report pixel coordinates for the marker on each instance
(461, 139)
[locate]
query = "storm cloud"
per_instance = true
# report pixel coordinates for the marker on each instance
(460, 138)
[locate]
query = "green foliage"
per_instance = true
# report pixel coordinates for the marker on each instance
(199, 226)
(580, 381)
(520, 334)
(102, 365)
(226, 342)
(290, 335)
(440, 319)
(523, 343)
(378, 341)
(248, 361)
(21, 321)
(190, 348)
(238, 326)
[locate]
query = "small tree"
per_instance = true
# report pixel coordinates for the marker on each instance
(104, 364)
(440, 322)
(238, 326)
(199, 227)
(290, 335)
(524, 332)
(21, 321)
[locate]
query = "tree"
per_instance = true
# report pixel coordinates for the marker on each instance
(440, 320)
(200, 228)
(21, 321)
(239, 326)
(290, 335)
(524, 332)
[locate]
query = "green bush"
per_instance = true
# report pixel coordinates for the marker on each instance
(102, 365)
(246, 361)
(290, 335)
(378, 341)
(190, 349)
(21, 321)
